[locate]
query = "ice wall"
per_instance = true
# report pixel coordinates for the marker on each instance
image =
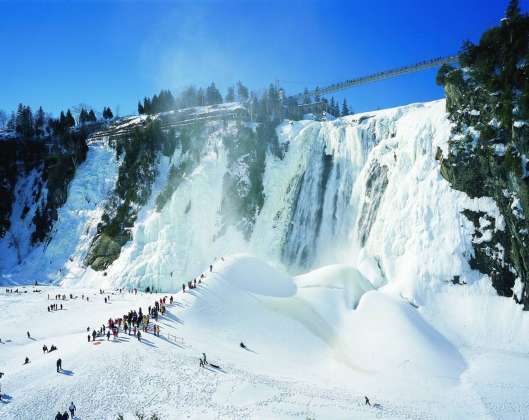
(60, 258)
(363, 190)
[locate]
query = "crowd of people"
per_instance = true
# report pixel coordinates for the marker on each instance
(132, 323)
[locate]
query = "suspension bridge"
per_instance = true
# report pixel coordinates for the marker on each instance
(387, 74)
(123, 129)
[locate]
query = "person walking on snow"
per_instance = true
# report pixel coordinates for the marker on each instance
(108, 335)
(72, 409)
(58, 416)
(59, 365)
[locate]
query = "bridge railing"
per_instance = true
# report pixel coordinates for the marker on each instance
(421, 65)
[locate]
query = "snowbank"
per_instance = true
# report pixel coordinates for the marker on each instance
(386, 333)
(250, 274)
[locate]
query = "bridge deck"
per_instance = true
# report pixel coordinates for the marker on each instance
(336, 87)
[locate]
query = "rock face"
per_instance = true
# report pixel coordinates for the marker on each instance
(8, 178)
(56, 160)
(136, 173)
(488, 102)
(105, 250)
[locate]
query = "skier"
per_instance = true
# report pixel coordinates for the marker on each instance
(139, 335)
(72, 409)
(204, 360)
(44, 348)
(108, 335)
(88, 337)
(29, 336)
(201, 363)
(59, 365)
(367, 401)
(242, 345)
(210, 268)
(183, 288)
(26, 361)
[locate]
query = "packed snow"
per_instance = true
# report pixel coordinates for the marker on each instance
(307, 354)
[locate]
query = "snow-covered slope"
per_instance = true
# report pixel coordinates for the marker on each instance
(308, 354)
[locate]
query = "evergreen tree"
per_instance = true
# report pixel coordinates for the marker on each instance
(188, 98)
(306, 97)
(62, 123)
(39, 122)
(201, 97)
(70, 121)
(11, 122)
(108, 115)
(317, 96)
(273, 103)
(83, 116)
(153, 108)
(294, 111)
(345, 108)
(513, 10)
(24, 121)
(242, 92)
(91, 116)
(3, 119)
(19, 118)
(141, 110)
(230, 96)
(147, 109)
(213, 96)
(165, 101)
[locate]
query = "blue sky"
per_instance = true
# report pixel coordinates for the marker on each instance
(61, 53)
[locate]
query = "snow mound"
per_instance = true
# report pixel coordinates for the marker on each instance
(256, 276)
(338, 276)
(387, 333)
